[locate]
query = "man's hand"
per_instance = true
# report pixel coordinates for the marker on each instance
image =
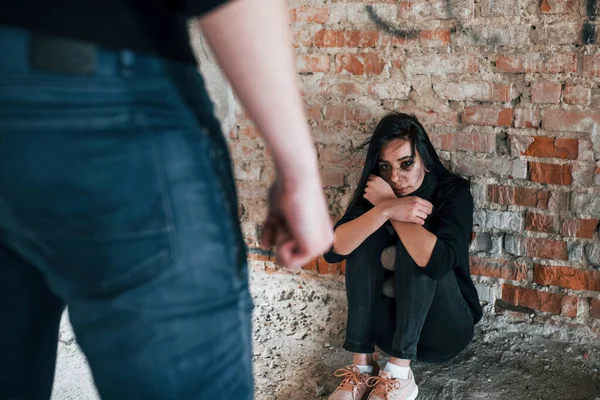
(298, 222)
(378, 190)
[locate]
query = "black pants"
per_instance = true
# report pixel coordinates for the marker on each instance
(428, 320)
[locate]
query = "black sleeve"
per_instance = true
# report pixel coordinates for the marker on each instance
(194, 8)
(453, 228)
(352, 213)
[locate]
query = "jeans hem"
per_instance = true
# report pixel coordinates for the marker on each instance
(357, 348)
(398, 354)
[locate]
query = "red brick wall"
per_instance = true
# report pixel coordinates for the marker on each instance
(509, 93)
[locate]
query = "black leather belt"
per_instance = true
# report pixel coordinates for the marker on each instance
(62, 55)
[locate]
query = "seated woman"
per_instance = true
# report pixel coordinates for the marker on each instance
(405, 198)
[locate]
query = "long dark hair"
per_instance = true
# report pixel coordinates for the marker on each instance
(398, 125)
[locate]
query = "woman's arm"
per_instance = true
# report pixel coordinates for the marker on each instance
(441, 250)
(411, 210)
(418, 241)
(347, 237)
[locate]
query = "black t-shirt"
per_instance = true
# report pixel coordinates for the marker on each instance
(148, 26)
(452, 223)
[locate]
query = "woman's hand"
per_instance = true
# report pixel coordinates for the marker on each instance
(377, 190)
(411, 209)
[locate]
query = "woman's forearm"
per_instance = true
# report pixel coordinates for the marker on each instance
(252, 41)
(418, 241)
(349, 236)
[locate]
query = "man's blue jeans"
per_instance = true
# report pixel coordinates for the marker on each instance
(117, 199)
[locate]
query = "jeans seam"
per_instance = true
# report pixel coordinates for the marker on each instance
(161, 180)
(216, 161)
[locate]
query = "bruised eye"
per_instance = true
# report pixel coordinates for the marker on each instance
(407, 164)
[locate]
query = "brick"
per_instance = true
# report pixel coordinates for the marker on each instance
(312, 63)
(504, 220)
(533, 299)
(514, 244)
(249, 131)
(311, 266)
(545, 146)
(473, 91)
(431, 117)
(539, 223)
(575, 251)
(499, 8)
(460, 9)
(505, 35)
(559, 6)
(595, 308)
(541, 63)
(585, 150)
(393, 41)
(573, 94)
(591, 65)
(478, 142)
(481, 242)
(491, 167)
(386, 91)
(486, 293)
(583, 174)
(487, 116)
(323, 267)
(527, 118)
(441, 65)
(567, 277)
(576, 121)
(546, 92)
(302, 38)
(359, 64)
(355, 14)
(568, 306)
(554, 174)
(586, 203)
(360, 113)
(314, 113)
(247, 172)
(435, 37)
(498, 268)
(317, 15)
(437, 10)
(559, 201)
(558, 33)
(518, 196)
(341, 89)
(546, 248)
(348, 112)
(333, 178)
(592, 254)
(360, 39)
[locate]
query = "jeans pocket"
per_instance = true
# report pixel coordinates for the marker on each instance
(86, 188)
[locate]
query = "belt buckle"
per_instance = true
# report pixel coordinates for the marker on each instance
(62, 55)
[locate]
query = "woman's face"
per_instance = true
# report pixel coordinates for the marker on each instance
(403, 174)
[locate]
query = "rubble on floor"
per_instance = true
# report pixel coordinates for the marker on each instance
(299, 323)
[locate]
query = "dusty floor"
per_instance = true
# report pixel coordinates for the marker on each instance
(299, 329)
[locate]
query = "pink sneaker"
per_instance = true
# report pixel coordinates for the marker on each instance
(354, 385)
(385, 387)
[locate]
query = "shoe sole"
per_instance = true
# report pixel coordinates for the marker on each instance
(414, 395)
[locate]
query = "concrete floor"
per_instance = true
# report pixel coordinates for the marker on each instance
(298, 333)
